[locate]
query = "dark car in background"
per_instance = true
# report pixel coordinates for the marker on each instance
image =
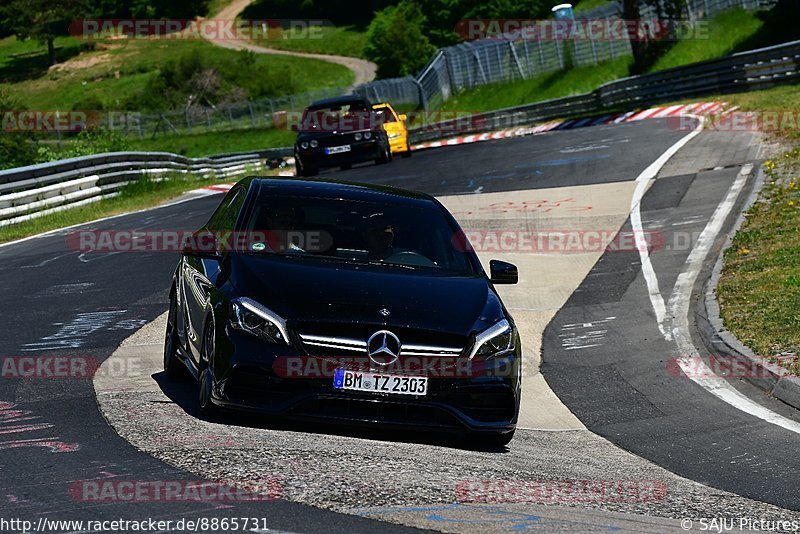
(339, 132)
(347, 303)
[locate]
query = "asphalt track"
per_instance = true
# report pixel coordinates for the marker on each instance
(620, 390)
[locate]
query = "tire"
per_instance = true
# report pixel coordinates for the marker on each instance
(302, 170)
(173, 367)
(386, 157)
(205, 382)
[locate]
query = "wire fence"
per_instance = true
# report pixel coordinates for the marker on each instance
(250, 114)
(470, 64)
(451, 70)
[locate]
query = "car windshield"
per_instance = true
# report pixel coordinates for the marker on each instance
(400, 236)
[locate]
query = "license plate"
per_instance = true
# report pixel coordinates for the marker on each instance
(380, 383)
(337, 149)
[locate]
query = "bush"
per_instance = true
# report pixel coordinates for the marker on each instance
(16, 149)
(395, 41)
(84, 144)
(194, 79)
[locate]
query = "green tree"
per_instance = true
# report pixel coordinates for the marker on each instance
(443, 15)
(42, 20)
(646, 51)
(396, 42)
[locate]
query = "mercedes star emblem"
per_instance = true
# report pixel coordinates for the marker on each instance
(383, 347)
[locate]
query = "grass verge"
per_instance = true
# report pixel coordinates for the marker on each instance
(141, 194)
(586, 5)
(208, 144)
(759, 290)
(335, 40)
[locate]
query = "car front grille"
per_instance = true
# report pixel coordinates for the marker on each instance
(352, 346)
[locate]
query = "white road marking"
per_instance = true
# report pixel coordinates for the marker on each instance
(74, 334)
(642, 182)
(679, 309)
(578, 336)
(678, 330)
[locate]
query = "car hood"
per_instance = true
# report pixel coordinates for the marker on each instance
(313, 290)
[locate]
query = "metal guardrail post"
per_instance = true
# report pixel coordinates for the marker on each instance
(422, 98)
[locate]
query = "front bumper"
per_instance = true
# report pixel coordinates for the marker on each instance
(399, 145)
(487, 400)
(360, 152)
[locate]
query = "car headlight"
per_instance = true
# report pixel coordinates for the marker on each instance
(357, 137)
(314, 143)
(367, 135)
(304, 145)
(496, 339)
(252, 318)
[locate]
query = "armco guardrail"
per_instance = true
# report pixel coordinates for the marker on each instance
(33, 191)
(36, 190)
(745, 71)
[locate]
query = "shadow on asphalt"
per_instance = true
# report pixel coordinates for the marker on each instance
(184, 394)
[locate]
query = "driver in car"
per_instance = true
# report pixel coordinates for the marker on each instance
(379, 238)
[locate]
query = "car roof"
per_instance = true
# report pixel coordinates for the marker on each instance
(326, 188)
(339, 101)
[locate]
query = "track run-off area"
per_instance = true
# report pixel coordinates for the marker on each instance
(604, 333)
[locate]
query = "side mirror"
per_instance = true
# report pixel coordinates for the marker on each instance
(503, 272)
(203, 245)
(403, 117)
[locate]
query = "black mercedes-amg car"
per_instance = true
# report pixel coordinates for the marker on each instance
(339, 132)
(344, 302)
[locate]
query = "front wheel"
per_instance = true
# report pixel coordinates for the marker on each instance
(206, 379)
(386, 157)
(302, 170)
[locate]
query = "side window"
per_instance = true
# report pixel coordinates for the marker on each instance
(228, 221)
(225, 216)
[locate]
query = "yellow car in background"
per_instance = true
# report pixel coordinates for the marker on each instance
(395, 126)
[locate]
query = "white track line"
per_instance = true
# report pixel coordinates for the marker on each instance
(678, 328)
(642, 182)
(679, 309)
